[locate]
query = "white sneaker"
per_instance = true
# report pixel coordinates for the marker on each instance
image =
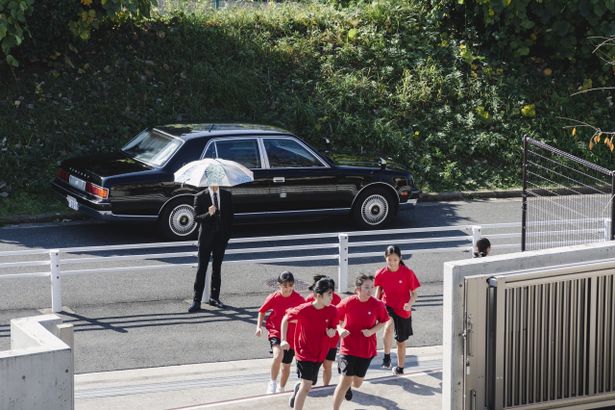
(271, 387)
(281, 389)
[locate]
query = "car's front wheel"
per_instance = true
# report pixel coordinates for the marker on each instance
(176, 221)
(373, 209)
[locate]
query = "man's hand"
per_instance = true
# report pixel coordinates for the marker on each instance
(343, 332)
(212, 210)
(331, 332)
(258, 331)
(284, 345)
(407, 307)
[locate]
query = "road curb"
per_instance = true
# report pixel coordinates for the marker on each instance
(44, 217)
(425, 197)
(465, 195)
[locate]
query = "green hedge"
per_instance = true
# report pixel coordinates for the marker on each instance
(380, 77)
(554, 31)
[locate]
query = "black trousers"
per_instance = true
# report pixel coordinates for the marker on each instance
(210, 245)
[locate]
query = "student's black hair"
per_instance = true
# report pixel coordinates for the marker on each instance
(323, 285)
(286, 277)
(359, 280)
(482, 247)
(316, 278)
(394, 250)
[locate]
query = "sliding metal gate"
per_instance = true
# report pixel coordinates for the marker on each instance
(541, 339)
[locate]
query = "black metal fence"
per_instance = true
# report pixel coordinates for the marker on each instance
(566, 200)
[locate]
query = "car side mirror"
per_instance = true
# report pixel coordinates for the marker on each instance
(327, 145)
(383, 163)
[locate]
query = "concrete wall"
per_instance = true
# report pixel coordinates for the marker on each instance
(453, 312)
(37, 373)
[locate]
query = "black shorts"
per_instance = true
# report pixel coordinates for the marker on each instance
(403, 326)
(288, 354)
(308, 370)
(331, 354)
(353, 366)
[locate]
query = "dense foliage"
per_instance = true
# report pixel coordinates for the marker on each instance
(47, 23)
(386, 77)
(554, 30)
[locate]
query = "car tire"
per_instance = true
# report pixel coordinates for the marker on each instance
(176, 221)
(373, 209)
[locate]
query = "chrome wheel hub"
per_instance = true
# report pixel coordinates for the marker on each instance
(374, 209)
(181, 220)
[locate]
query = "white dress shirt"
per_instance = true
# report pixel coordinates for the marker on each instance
(211, 196)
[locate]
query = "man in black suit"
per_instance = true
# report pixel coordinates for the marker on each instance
(213, 208)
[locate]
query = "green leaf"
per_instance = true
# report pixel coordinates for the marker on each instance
(12, 61)
(352, 34)
(523, 51)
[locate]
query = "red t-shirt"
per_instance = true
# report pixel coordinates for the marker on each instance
(335, 301)
(311, 340)
(396, 287)
(357, 316)
(278, 305)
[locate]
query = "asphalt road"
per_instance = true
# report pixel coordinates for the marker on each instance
(137, 319)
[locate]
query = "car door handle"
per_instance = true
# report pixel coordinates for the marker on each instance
(279, 179)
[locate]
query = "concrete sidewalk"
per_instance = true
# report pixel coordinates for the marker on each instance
(241, 384)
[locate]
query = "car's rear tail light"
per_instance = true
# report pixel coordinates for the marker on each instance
(404, 194)
(102, 193)
(62, 174)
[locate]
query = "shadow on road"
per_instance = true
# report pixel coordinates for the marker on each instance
(121, 324)
(411, 386)
(93, 233)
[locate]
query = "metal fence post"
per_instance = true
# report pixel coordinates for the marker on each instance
(475, 237)
(612, 233)
(56, 281)
(524, 197)
(342, 270)
(607, 229)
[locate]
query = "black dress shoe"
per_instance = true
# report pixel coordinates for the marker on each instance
(195, 307)
(216, 303)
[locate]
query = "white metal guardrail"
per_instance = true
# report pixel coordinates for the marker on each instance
(343, 247)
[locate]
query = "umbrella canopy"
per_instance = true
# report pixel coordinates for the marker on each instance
(209, 171)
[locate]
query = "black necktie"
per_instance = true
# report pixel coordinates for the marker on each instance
(216, 200)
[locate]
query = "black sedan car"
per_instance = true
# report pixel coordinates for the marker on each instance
(291, 178)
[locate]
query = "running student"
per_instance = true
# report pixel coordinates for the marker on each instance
(396, 286)
(328, 363)
(361, 316)
(278, 303)
(316, 325)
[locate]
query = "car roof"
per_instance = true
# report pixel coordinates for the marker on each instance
(190, 131)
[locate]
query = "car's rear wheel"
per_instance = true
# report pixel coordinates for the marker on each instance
(177, 222)
(374, 208)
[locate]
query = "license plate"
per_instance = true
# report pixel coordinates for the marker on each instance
(76, 182)
(72, 202)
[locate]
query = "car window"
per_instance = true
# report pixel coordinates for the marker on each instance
(286, 153)
(243, 151)
(211, 151)
(152, 147)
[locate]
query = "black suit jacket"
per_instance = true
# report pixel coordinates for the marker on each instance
(222, 221)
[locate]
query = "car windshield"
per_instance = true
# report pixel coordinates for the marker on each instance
(152, 147)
